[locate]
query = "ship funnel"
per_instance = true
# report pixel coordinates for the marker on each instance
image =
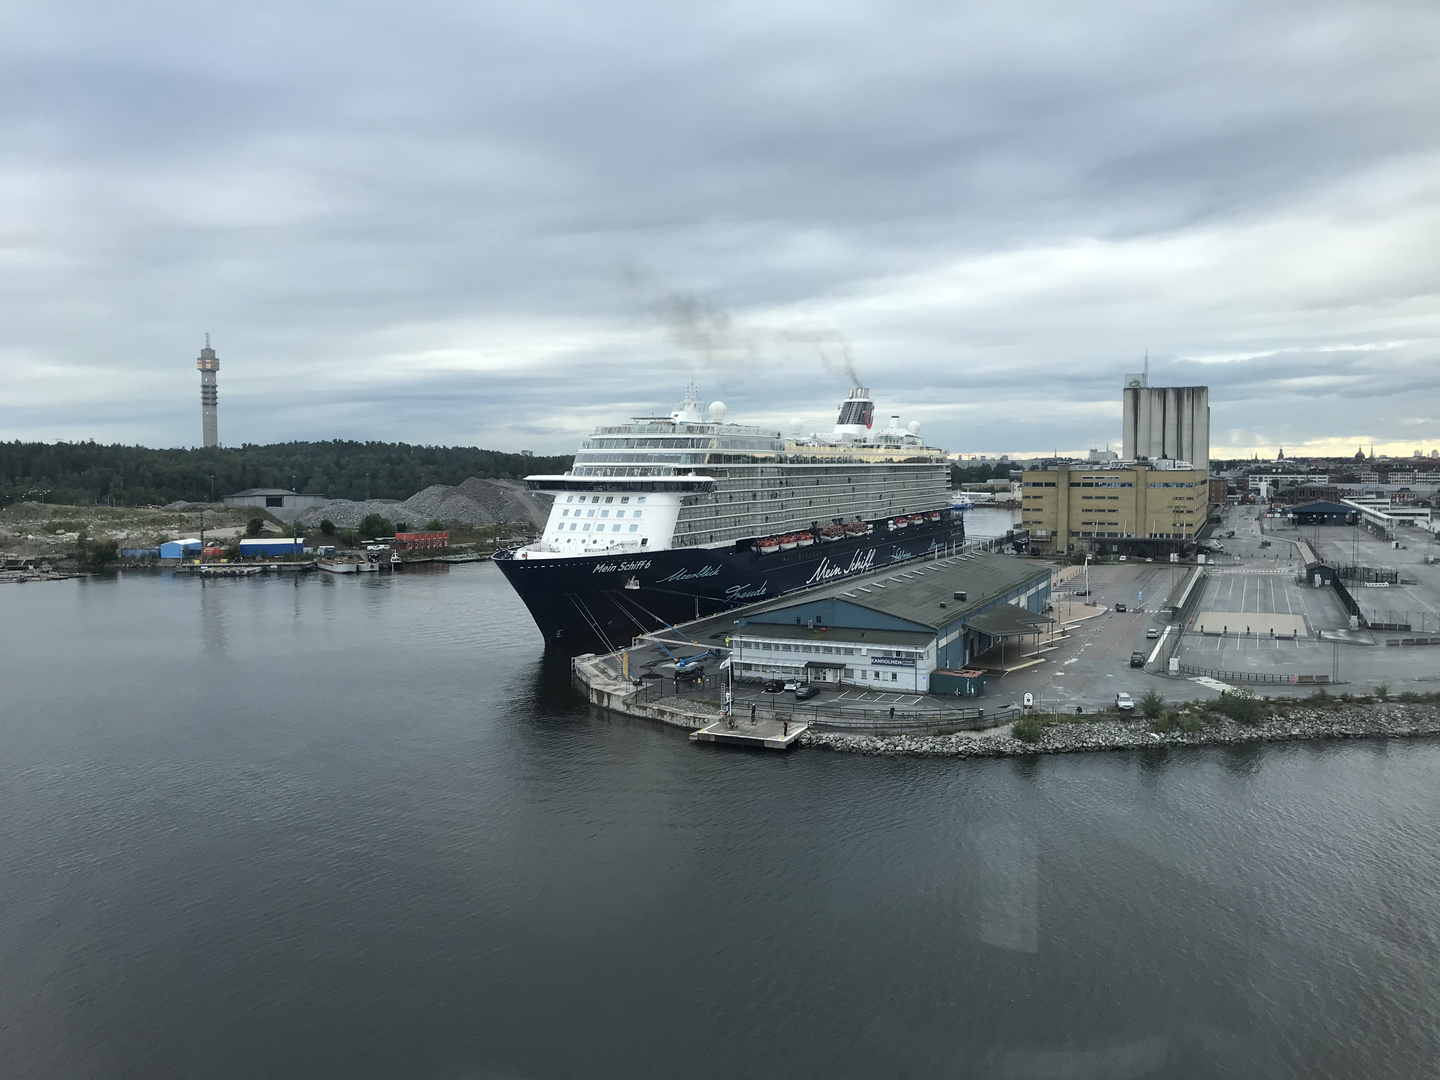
(857, 414)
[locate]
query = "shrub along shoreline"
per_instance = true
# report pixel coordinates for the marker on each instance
(1235, 718)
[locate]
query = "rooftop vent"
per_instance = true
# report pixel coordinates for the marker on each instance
(962, 596)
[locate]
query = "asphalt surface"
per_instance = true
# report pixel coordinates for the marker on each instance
(1089, 666)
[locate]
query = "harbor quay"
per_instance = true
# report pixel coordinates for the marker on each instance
(879, 657)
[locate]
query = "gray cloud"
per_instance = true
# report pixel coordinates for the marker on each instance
(413, 224)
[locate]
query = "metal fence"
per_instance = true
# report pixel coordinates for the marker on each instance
(1364, 574)
(830, 717)
(1270, 677)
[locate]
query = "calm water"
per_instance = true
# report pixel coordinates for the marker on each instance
(362, 829)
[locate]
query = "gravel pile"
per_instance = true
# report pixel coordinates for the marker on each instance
(475, 502)
(1358, 721)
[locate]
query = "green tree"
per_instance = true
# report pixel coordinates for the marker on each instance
(254, 527)
(376, 525)
(98, 553)
(402, 526)
(327, 527)
(1151, 703)
(434, 525)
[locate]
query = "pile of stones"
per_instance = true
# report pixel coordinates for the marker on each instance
(1380, 720)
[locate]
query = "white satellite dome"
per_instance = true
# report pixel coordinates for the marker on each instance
(913, 427)
(797, 425)
(717, 412)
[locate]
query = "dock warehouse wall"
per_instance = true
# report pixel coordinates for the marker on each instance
(890, 631)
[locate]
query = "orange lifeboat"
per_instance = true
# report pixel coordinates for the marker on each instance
(767, 545)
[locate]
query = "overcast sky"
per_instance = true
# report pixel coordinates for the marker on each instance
(500, 224)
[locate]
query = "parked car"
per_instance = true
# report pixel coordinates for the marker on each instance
(1120, 607)
(1124, 701)
(774, 686)
(791, 685)
(1152, 633)
(1137, 659)
(804, 692)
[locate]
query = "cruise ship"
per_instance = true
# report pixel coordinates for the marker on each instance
(669, 518)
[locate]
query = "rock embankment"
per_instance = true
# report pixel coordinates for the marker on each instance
(1382, 720)
(475, 502)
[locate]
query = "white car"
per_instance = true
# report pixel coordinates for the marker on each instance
(1124, 701)
(791, 685)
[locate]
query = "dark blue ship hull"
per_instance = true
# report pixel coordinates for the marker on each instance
(613, 599)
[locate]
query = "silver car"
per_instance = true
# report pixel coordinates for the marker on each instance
(1124, 701)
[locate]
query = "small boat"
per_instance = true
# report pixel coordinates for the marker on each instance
(804, 539)
(902, 522)
(830, 533)
(767, 545)
(856, 528)
(396, 562)
(933, 516)
(959, 500)
(788, 542)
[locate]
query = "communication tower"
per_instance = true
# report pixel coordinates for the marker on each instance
(208, 364)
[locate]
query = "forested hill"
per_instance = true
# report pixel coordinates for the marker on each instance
(87, 473)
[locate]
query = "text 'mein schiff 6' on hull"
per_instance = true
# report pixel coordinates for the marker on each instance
(668, 518)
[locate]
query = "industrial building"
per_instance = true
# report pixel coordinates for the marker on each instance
(893, 631)
(275, 499)
(1324, 513)
(177, 549)
(1170, 422)
(271, 547)
(209, 364)
(1133, 508)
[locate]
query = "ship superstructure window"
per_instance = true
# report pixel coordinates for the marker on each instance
(634, 527)
(609, 498)
(641, 499)
(589, 513)
(624, 499)
(619, 513)
(587, 526)
(569, 498)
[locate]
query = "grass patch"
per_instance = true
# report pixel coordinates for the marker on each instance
(1242, 708)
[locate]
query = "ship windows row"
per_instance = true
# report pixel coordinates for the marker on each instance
(604, 513)
(599, 527)
(608, 499)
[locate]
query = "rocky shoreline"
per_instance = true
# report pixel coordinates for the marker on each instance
(1379, 720)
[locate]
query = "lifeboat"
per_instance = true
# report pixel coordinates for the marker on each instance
(767, 545)
(902, 522)
(788, 542)
(804, 539)
(934, 515)
(830, 533)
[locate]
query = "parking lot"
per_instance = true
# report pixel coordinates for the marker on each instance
(1251, 589)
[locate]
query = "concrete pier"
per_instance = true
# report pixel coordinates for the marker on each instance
(766, 733)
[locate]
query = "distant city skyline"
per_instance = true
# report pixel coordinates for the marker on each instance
(501, 227)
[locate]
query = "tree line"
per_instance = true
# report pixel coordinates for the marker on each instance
(86, 473)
